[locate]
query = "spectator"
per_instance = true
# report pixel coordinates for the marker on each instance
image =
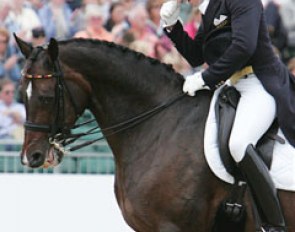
(35, 4)
(86, 2)
(193, 23)
(38, 36)
(128, 4)
(56, 19)
(5, 19)
(185, 10)
(178, 63)
(287, 11)
(116, 16)
(78, 15)
(8, 59)
(127, 39)
(25, 19)
(153, 9)
(140, 46)
(161, 48)
(275, 26)
(74, 4)
(105, 5)
(291, 66)
(163, 45)
(137, 18)
(94, 24)
(12, 113)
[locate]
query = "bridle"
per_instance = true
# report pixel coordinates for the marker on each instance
(59, 133)
(58, 125)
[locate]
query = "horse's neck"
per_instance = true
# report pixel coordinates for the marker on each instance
(123, 87)
(120, 98)
(152, 145)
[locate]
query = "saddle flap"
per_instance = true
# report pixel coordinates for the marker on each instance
(225, 110)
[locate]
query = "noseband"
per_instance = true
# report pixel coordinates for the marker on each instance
(58, 125)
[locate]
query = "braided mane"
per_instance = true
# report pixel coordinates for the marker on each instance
(137, 55)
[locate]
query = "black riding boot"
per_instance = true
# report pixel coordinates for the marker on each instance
(263, 190)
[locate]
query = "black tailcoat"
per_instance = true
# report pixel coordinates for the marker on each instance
(234, 35)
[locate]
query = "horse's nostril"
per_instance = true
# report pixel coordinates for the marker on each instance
(36, 159)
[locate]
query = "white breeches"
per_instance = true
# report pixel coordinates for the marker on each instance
(255, 113)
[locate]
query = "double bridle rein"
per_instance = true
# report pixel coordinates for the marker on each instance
(59, 134)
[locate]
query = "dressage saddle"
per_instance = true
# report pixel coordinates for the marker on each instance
(225, 109)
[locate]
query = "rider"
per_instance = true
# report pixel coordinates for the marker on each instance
(234, 42)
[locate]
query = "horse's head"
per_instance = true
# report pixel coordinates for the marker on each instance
(53, 100)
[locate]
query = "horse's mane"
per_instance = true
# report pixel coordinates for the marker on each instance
(138, 56)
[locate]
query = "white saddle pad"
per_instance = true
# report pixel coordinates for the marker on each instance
(283, 164)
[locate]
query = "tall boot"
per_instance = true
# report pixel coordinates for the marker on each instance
(263, 190)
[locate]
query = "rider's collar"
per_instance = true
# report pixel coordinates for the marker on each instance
(203, 6)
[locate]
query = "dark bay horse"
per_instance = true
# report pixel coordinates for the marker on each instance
(162, 181)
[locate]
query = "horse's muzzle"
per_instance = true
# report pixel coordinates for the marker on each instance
(36, 159)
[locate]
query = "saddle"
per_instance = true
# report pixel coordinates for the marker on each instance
(225, 110)
(232, 210)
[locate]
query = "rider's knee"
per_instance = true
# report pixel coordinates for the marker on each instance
(237, 148)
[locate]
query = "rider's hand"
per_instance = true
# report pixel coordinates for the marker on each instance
(193, 83)
(169, 12)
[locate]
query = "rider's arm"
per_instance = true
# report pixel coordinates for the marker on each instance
(190, 49)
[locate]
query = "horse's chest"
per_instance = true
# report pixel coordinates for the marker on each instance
(126, 208)
(134, 217)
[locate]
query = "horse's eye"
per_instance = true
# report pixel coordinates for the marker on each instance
(45, 99)
(46, 63)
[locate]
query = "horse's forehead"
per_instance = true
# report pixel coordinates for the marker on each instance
(29, 90)
(38, 88)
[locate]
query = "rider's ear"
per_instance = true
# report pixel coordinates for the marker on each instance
(53, 49)
(25, 47)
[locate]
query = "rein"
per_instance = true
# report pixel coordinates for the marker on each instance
(60, 135)
(122, 126)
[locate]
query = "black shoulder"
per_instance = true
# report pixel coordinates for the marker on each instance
(243, 5)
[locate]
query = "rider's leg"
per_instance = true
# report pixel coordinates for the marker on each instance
(263, 189)
(255, 113)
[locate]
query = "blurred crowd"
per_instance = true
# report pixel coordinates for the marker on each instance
(132, 23)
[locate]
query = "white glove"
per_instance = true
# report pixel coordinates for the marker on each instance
(169, 12)
(193, 83)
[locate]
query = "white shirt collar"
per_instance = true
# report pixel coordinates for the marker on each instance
(203, 6)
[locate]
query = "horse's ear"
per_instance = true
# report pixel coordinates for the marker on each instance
(53, 49)
(24, 47)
